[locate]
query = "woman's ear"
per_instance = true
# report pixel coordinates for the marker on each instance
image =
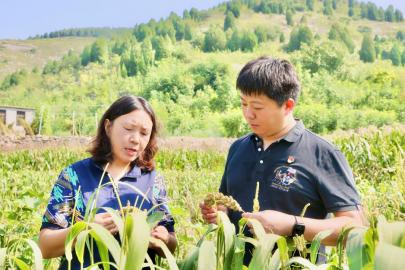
(107, 127)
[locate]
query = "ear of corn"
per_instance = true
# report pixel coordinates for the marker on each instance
(301, 244)
(216, 198)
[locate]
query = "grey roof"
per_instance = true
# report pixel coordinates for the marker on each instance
(15, 107)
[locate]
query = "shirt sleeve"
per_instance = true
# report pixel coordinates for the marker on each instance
(58, 213)
(336, 183)
(223, 188)
(160, 199)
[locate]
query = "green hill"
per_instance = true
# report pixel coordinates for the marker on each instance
(187, 65)
(27, 54)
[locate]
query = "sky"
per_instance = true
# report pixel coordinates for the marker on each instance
(20, 19)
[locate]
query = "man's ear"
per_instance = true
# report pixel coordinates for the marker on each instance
(289, 105)
(107, 127)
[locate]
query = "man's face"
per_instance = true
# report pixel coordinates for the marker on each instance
(264, 116)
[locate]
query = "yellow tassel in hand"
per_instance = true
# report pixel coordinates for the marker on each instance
(256, 204)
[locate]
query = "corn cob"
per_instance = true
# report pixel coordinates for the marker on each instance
(216, 198)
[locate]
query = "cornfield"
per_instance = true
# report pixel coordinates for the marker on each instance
(377, 160)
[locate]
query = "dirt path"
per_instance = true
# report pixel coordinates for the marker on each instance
(8, 144)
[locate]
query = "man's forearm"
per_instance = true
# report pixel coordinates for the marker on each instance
(336, 224)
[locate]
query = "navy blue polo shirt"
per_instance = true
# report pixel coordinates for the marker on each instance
(298, 169)
(86, 174)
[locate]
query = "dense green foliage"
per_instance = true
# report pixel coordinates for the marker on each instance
(187, 67)
(107, 32)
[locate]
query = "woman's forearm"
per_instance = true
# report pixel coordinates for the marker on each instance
(52, 242)
(171, 245)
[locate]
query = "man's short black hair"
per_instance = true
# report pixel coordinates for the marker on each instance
(275, 78)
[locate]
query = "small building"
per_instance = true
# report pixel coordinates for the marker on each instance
(9, 116)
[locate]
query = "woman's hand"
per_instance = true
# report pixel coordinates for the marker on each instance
(161, 233)
(106, 220)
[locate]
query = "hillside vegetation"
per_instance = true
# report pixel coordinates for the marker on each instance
(349, 57)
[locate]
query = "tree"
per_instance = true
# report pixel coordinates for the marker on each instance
(372, 12)
(248, 41)
(351, 12)
(229, 21)
(399, 17)
(334, 4)
(403, 58)
(123, 71)
(289, 17)
(85, 56)
(188, 34)
(166, 28)
(142, 31)
(217, 76)
(128, 59)
(180, 28)
(380, 15)
(282, 37)
(367, 51)
(214, 40)
(299, 36)
(327, 7)
(261, 34)
(46, 128)
(401, 35)
(98, 51)
(195, 14)
(161, 45)
(395, 55)
(233, 43)
(324, 56)
(390, 14)
(148, 55)
(186, 14)
(234, 8)
(337, 32)
(363, 10)
(310, 4)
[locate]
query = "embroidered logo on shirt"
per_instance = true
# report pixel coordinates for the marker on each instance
(284, 177)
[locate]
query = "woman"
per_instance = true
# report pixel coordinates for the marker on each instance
(124, 147)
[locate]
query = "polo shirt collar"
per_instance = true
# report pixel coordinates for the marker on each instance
(295, 133)
(292, 136)
(135, 172)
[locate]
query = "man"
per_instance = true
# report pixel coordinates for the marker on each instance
(293, 165)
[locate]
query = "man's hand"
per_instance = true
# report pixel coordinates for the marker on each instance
(209, 213)
(273, 221)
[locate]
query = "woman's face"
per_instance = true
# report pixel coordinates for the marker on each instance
(129, 135)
